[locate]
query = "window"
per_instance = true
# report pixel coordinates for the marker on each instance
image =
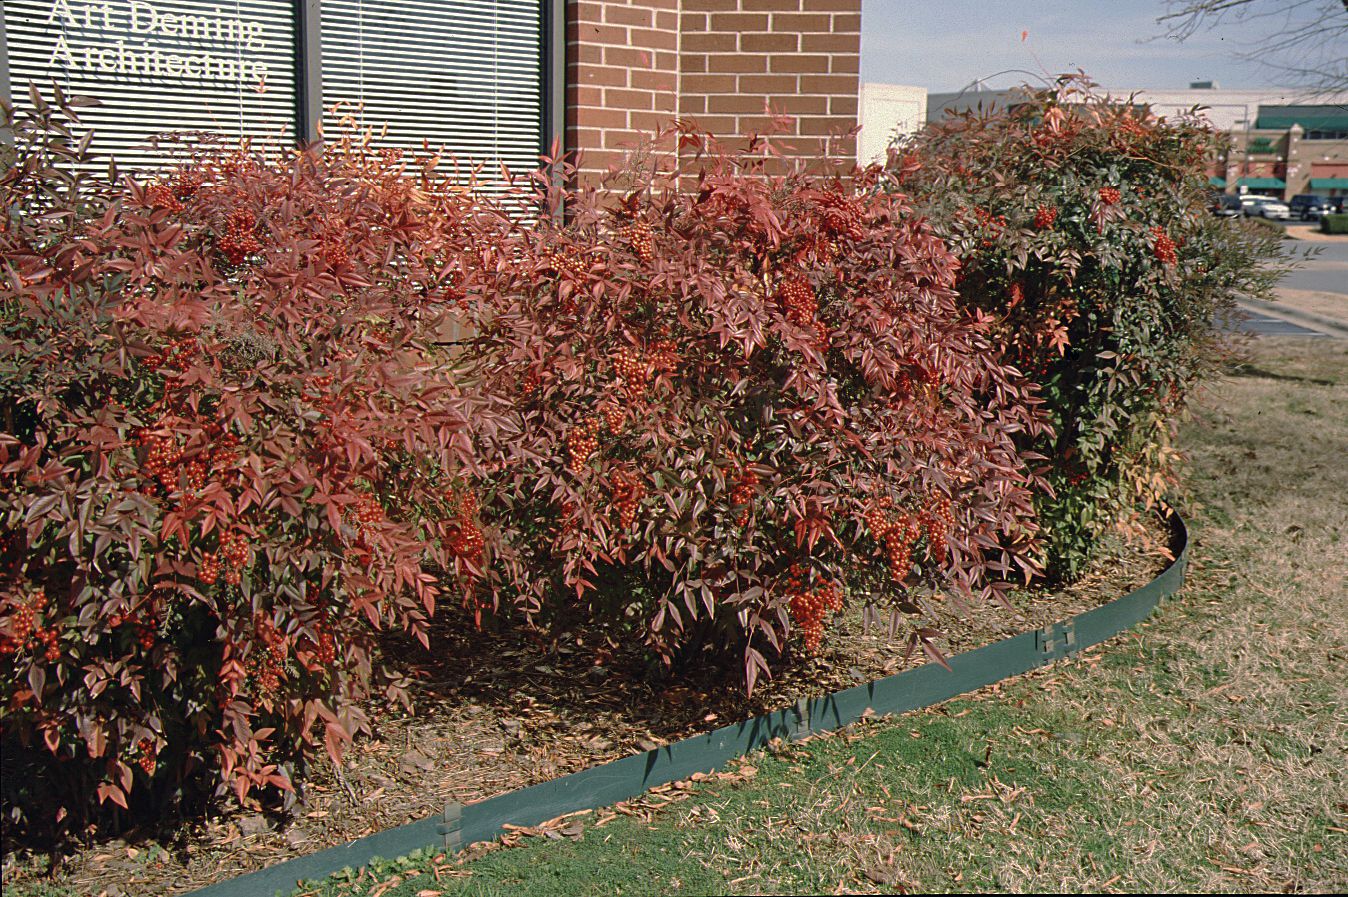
(159, 66)
(467, 76)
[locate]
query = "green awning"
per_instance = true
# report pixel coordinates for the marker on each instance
(1216, 182)
(1312, 118)
(1329, 183)
(1262, 183)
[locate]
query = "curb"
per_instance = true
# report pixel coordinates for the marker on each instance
(1297, 316)
(609, 783)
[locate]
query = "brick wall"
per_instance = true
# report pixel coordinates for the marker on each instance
(727, 65)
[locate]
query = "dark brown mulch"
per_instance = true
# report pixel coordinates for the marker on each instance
(496, 712)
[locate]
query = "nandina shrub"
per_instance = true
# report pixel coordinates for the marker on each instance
(230, 453)
(737, 405)
(1081, 226)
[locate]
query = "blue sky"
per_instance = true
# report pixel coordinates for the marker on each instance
(944, 44)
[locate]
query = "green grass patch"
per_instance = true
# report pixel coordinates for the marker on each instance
(1202, 751)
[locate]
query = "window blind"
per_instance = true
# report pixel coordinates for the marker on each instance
(159, 66)
(464, 77)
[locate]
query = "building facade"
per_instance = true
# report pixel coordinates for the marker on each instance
(489, 80)
(888, 111)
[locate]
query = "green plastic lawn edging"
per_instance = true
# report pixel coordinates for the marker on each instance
(609, 783)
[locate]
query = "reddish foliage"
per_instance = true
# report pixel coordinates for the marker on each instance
(226, 450)
(740, 370)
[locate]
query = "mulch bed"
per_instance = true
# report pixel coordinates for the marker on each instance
(497, 712)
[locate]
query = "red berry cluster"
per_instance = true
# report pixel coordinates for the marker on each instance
(208, 571)
(582, 442)
(797, 299)
(529, 385)
(746, 486)
(900, 537)
(639, 236)
(1044, 216)
(840, 217)
(1163, 247)
(632, 370)
(234, 548)
(1110, 195)
(938, 519)
(239, 241)
(175, 355)
(613, 416)
(565, 262)
(628, 491)
(186, 182)
(162, 457)
(992, 225)
(326, 649)
(269, 667)
(335, 253)
(145, 747)
(466, 540)
(161, 196)
(664, 356)
(809, 607)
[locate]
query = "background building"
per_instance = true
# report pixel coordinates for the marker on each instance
(487, 80)
(1282, 144)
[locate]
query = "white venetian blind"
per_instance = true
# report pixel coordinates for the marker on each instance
(226, 66)
(464, 77)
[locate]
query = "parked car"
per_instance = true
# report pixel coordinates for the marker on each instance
(1226, 205)
(1265, 207)
(1309, 206)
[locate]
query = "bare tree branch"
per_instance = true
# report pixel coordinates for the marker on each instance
(1304, 40)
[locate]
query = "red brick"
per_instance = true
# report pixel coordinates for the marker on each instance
(581, 95)
(802, 23)
(656, 40)
(650, 79)
(693, 22)
(853, 6)
(845, 63)
(843, 104)
(703, 84)
(628, 57)
(830, 43)
(629, 99)
(797, 104)
(737, 63)
(738, 21)
(602, 34)
(846, 23)
(800, 64)
(694, 63)
(717, 124)
(828, 84)
(776, 84)
(650, 122)
(692, 105)
(608, 76)
(669, 21)
(586, 12)
(769, 43)
(628, 15)
(770, 5)
(593, 117)
(735, 103)
(709, 42)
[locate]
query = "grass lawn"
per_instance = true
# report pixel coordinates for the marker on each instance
(1203, 751)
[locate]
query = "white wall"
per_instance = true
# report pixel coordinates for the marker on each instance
(886, 110)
